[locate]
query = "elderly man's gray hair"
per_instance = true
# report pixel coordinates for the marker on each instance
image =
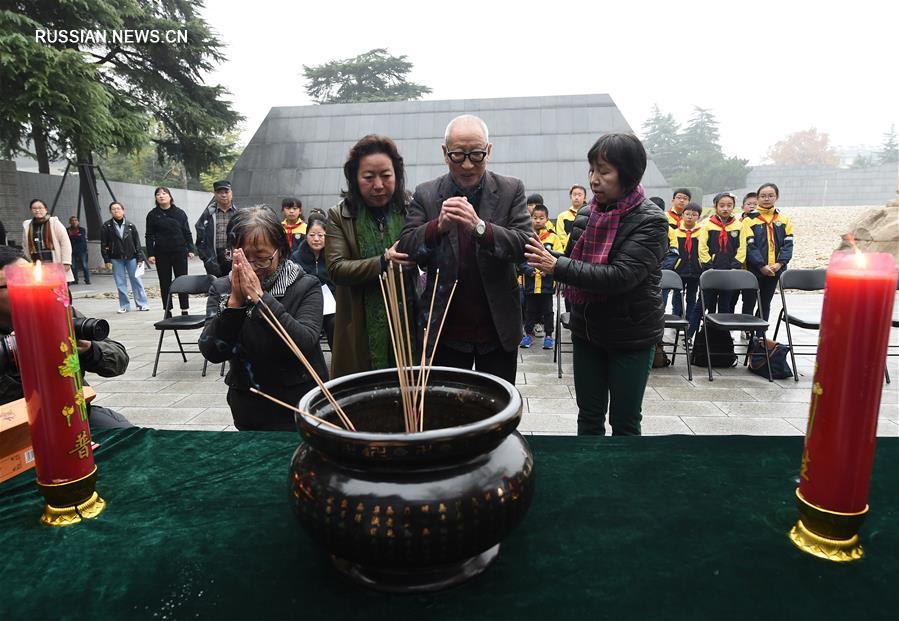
(466, 118)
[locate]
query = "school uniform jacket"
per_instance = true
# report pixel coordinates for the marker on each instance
(768, 238)
(712, 255)
(533, 280)
(683, 257)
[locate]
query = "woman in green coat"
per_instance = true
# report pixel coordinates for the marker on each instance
(362, 233)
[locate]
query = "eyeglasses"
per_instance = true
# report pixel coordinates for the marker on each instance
(262, 263)
(457, 157)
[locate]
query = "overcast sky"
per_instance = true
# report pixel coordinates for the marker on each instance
(765, 68)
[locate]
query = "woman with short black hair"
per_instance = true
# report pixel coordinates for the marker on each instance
(262, 274)
(612, 275)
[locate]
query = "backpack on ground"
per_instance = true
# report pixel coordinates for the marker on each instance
(777, 353)
(660, 360)
(721, 345)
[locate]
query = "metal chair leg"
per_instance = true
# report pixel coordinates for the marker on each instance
(180, 346)
(158, 349)
(205, 362)
(792, 354)
(687, 350)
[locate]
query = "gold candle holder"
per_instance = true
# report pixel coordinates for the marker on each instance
(827, 534)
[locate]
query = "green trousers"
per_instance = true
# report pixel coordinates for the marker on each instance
(613, 381)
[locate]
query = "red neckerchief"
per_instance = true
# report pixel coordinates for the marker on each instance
(722, 234)
(288, 230)
(688, 242)
(544, 233)
(676, 217)
(769, 224)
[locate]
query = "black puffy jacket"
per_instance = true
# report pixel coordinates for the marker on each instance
(631, 316)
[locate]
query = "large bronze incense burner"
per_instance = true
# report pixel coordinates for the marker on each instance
(412, 512)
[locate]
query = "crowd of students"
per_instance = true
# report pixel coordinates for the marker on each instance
(759, 240)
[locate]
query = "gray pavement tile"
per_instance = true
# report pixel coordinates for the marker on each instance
(150, 416)
(215, 416)
(544, 391)
(650, 394)
(663, 426)
(669, 381)
(799, 423)
(779, 395)
(887, 428)
(702, 393)
(205, 400)
(549, 378)
(754, 409)
(148, 399)
(889, 411)
(666, 409)
(117, 384)
(212, 384)
(544, 423)
(552, 406)
(729, 425)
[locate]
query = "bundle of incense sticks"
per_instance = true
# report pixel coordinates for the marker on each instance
(266, 313)
(412, 387)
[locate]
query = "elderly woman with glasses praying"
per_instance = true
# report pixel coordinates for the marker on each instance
(263, 279)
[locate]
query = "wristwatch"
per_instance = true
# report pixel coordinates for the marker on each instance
(480, 228)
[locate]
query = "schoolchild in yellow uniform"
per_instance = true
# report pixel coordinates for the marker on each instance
(539, 288)
(293, 224)
(683, 258)
(578, 197)
(767, 235)
(720, 248)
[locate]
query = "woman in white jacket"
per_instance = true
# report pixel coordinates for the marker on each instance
(46, 239)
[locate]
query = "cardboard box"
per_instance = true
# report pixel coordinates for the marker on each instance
(16, 454)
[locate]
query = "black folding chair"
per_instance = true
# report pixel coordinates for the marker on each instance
(562, 321)
(731, 280)
(801, 280)
(191, 285)
(671, 281)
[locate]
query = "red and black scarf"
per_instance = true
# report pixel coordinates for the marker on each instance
(595, 243)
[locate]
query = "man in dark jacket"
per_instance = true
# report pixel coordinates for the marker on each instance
(120, 246)
(105, 357)
(471, 224)
(212, 230)
(78, 238)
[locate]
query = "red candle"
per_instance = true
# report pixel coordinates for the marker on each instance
(50, 372)
(852, 347)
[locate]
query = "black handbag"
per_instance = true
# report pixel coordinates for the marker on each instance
(777, 354)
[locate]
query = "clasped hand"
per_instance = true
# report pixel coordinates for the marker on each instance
(245, 286)
(457, 210)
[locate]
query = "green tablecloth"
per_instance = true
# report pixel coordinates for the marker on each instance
(198, 526)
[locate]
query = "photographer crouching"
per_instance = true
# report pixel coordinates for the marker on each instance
(96, 353)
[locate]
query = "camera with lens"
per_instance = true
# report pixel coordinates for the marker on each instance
(86, 329)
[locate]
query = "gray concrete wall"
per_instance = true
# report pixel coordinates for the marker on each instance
(300, 150)
(823, 186)
(137, 199)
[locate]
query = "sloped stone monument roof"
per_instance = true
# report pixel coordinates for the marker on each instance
(300, 150)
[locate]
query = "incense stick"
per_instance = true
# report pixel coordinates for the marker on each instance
(292, 346)
(427, 334)
(295, 409)
(421, 406)
(393, 340)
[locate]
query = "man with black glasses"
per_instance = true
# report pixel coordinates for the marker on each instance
(471, 224)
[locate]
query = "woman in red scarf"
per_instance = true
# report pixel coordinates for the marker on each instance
(612, 277)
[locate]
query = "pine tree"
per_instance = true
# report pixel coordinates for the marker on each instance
(889, 152)
(662, 141)
(372, 76)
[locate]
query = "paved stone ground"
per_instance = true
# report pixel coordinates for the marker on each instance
(736, 402)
